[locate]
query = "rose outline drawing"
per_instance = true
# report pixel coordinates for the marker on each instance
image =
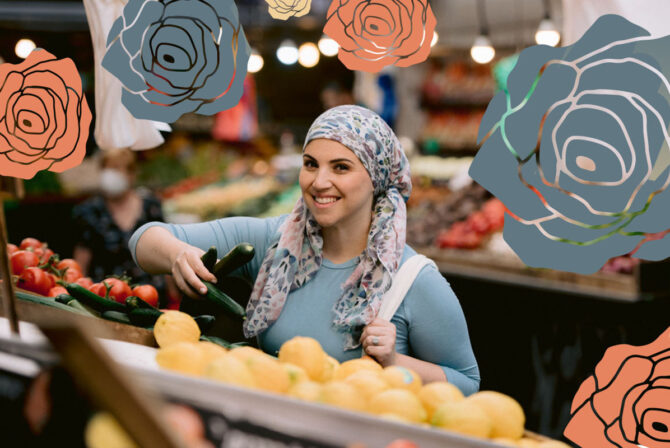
(285, 9)
(595, 186)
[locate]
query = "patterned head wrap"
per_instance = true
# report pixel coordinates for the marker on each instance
(297, 254)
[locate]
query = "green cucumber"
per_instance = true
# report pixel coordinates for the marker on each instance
(116, 316)
(144, 317)
(216, 296)
(209, 258)
(63, 298)
(76, 304)
(204, 321)
(237, 257)
(133, 302)
(218, 341)
(48, 301)
(93, 300)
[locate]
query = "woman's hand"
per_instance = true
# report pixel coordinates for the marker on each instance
(188, 270)
(378, 341)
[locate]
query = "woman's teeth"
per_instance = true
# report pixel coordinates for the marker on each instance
(325, 200)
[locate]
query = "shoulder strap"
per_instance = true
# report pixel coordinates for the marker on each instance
(402, 281)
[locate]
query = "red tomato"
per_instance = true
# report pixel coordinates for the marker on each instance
(68, 263)
(147, 293)
(86, 282)
(35, 280)
(119, 289)
(30, 242)
(22, 259)
(402, 443)
(72, 275)
(11, 248)
(98, 288)
(57, 290)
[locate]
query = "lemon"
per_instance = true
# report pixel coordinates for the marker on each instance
(368, 383)
(244, 353)
(306, 390)
(330, 367)
(400, 402)
(505, 441)
(463, 417)
(402, 378)
(343, 395)
(103, 431)
(306, 353)
(174, 326)
(211, 351)
(229, 369)
(268, 373)
(504, 411)
(184, 357)
(552, 444)
(354, 365)
(434, 394)
(295, 374)
(527, 443)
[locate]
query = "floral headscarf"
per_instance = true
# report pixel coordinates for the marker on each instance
(296, 256)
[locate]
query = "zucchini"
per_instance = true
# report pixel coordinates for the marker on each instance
(218, 341)
(76, 304)
(133, 303)
(209, 258)
(96, 302)
(214, 295)
(237, 257)
(144, 317)
(116, 316)
(63, 298)
(204, 321)
(48, 301)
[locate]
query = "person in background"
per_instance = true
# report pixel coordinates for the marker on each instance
(104, 223)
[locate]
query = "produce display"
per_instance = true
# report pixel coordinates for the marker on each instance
(304, 371)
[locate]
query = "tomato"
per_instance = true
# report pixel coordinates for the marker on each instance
(72, 275)
(30, 243)
(22, 259)
(57, 290)
(86, 282)
(402, 443)
(36, 280)
(147, 293)
(98, 288)
(11, 248)
(43, 253)
(119, 289)
(68, 263)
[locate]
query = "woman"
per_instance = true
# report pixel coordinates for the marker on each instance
(105, 223)
(322, 270)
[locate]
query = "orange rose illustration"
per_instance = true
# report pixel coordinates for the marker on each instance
(44, 117)
(626, 403)
(375, 33)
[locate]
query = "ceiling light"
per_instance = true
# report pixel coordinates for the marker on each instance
(547, 34)
(287, 53)
(308, 55)
(328, 46)
(435, 38)
(482, 51)
(255, 62)
(24, 47)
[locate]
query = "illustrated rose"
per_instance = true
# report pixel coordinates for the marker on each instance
(373, 34)
(178, 56)
(44, 116)
(283, 9)
(626, 403)
(595, 185)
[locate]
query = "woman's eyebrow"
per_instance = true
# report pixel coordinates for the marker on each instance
(340, 160)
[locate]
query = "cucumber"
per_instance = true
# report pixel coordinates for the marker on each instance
(209, 258)
(48, 301)
(204, 321)
(237, 257)
(116, 316)
(144, 317)
(133, 303)
(222, 300)
(96, 302)
(63, 298)
(76, 304)
(218, 341)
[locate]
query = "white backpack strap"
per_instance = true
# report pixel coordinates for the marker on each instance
(402, 281)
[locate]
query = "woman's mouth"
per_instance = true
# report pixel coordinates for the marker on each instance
(324, 201)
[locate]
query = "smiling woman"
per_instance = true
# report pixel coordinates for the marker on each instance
(324, 270)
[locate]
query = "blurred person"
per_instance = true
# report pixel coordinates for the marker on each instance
(104, 223)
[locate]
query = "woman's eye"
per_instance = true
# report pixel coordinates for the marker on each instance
(341, 167)
(308, 164)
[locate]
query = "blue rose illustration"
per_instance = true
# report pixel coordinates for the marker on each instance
(578, 149)
(178, 56)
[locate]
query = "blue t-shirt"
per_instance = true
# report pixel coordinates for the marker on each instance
(430, 324)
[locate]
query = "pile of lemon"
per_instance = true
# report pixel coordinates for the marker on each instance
(304, 371)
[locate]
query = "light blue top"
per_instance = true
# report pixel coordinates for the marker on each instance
(430, 322)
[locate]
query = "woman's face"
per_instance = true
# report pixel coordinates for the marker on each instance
(335, 185)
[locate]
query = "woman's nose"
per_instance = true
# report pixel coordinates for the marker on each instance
(322, 180)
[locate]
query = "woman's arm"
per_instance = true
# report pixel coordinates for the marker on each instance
(82, 255)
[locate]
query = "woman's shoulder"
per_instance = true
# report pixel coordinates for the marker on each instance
(429, 276)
